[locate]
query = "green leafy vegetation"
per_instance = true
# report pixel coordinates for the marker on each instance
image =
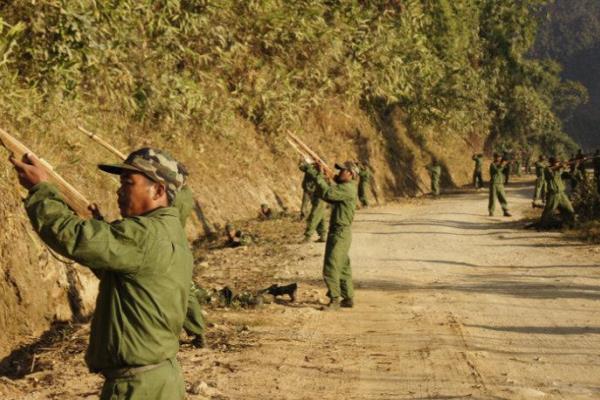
(174, 64)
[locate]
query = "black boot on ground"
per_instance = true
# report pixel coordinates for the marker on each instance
(347, 303)
(199, 342)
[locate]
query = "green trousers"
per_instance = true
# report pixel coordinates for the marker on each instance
(337, 272)
(316, 219)
(477, 179)
(540, 189)
(435, 186)
(194, 324)
(557, 201)
(162, 383)
(497, 191)
(362, 194)
(305, 206)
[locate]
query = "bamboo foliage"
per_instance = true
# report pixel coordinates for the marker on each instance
(272, 61)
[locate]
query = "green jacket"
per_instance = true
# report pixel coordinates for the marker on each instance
(342, 197)
(145, 267)
(554, 180)
(478, 163)
(497, 173)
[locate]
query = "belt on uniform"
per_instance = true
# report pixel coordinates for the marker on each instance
(129, 372)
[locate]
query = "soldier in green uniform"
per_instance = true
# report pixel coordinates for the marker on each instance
(478, 171)
(497, 177)
(337, 272)
(235, 237)
(267, 213)
(194, 324)
(364, 178)
(435, 172)
(144, 265)
(308, 187)
(576, 170)
(557, 198)
(539, 194)
(316, 218)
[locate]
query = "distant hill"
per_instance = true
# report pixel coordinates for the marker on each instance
(570, 34)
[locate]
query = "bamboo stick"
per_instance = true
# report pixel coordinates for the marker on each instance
(73, 198)
(102, 142)
(308, 151)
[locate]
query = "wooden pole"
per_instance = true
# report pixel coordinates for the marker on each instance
(308, 151)
(73, 198)
(102, 142)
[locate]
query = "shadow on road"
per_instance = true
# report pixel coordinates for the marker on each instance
(514, 288)
(464, 225)
(546, 330)
(472, 265)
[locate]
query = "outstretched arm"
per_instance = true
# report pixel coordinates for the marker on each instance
(97, 244)
(328, 192)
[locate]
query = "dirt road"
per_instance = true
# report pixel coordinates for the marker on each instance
(451, 304)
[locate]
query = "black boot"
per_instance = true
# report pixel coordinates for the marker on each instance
(199, 341)
(347, 303)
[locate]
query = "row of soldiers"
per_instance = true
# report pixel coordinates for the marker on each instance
(144, 263)
(550, 191)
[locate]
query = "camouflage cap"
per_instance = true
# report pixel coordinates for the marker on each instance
(348, 165)
(156, 165)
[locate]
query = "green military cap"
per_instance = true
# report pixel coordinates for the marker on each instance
(156, 165)
(348, 165)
